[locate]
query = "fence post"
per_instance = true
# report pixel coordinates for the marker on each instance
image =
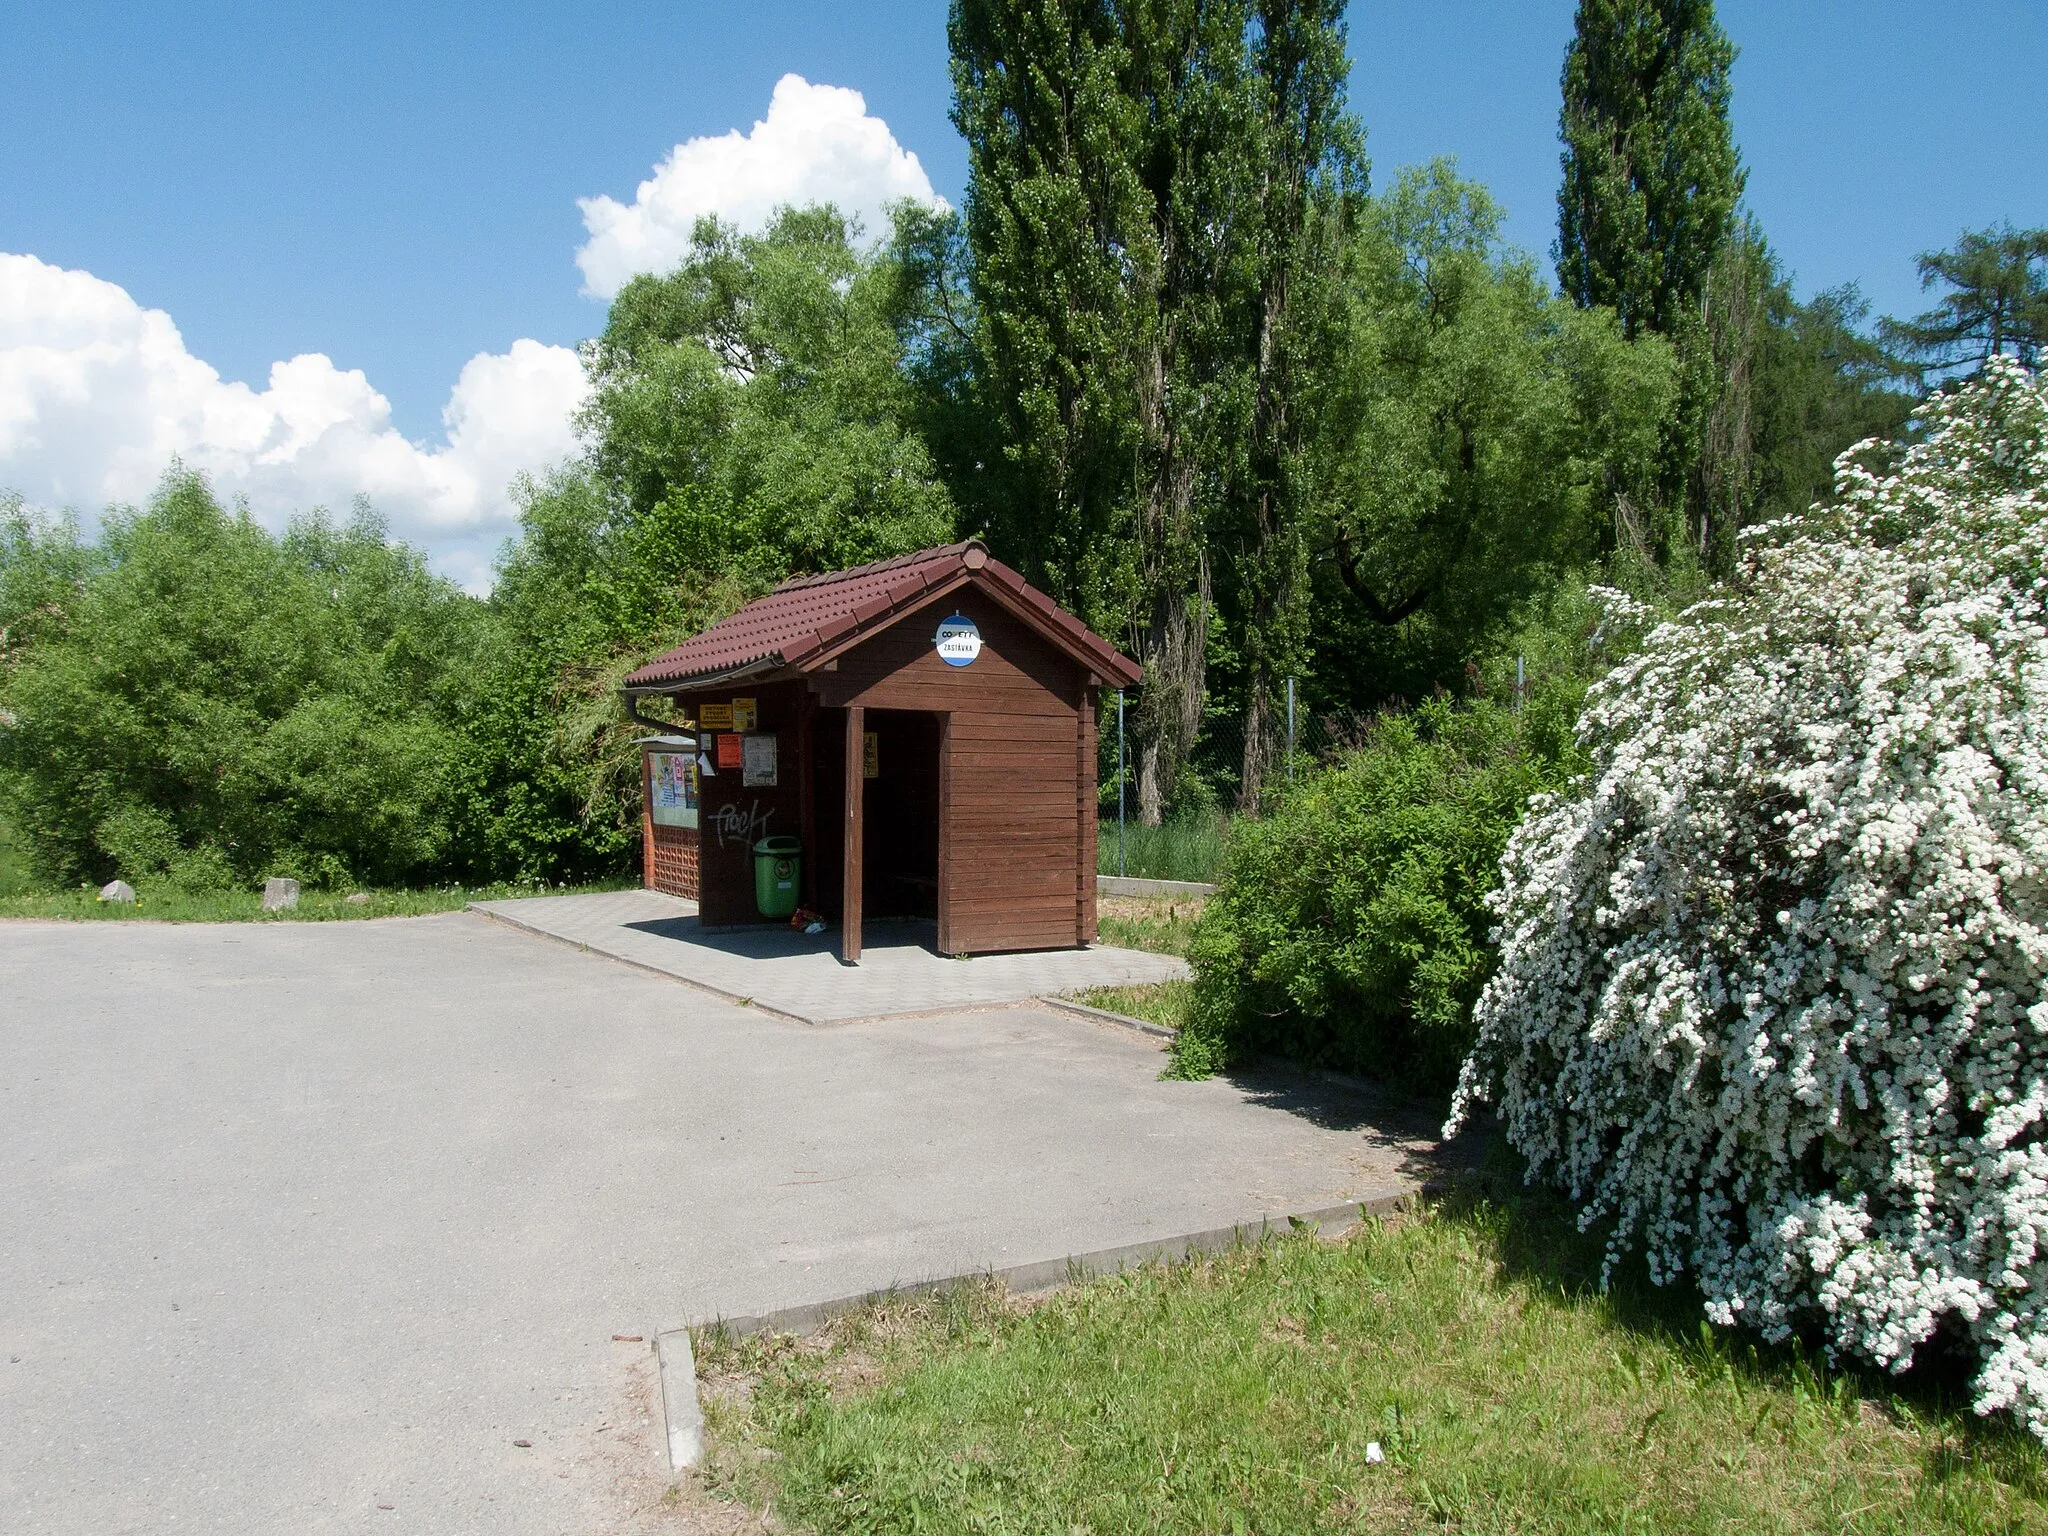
(1521, 682)
(1119, 783)
(1290, 728)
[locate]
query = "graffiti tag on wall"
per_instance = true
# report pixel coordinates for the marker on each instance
(730, 823)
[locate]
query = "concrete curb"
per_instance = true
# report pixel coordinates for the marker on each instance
(1123, 885)
(679, 1405)
(1104, 1016)
(1046, 1274)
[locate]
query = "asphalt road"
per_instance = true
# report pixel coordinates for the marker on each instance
(303, 1225)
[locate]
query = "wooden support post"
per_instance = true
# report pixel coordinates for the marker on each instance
(945, 895)
(856, 788)
(807, 797)
(1084, 818)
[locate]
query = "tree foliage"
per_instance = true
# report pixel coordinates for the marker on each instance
(751, 408)
(207, 703)
(1476, 432)
(1794, 386)
(1142, 182)
(1307, 183)
(1996, 304)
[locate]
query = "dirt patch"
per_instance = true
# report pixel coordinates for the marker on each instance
(1150, 909)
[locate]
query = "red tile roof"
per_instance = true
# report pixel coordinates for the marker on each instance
(797, 623)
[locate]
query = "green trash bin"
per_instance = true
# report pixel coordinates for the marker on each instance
(778, 873)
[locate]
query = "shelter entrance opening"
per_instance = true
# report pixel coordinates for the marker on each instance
(900, 782)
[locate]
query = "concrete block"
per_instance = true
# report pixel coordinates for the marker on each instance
(280, 894)
(1118, 885)
(679, 1401)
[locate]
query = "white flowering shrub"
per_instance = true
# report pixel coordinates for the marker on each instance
(1770, 987)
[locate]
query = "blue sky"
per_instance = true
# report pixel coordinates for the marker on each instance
(396, 187)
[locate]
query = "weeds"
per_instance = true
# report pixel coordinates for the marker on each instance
(1186, 848)
(1164, 925)
(1163, 1003)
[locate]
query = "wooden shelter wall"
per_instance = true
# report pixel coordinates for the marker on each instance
(1013, 836)
(732, 817)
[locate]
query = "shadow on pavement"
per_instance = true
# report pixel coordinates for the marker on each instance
(1407, 1128)
(783, 942)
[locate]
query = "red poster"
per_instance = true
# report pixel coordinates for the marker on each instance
(729, 751)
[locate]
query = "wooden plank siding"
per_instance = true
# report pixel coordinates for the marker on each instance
(1017, 771)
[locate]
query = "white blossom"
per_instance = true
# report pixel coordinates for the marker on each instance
(1770, 992)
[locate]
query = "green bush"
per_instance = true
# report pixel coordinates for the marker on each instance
(1351, 929)
(206, 703)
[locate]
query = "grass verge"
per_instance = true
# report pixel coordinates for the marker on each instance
(1189, 848)
(174, 906)
(1240, 1393)
(1163, 1003)
(1163, 925)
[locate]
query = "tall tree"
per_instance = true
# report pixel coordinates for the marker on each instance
(1648, 202)
(1797, 384)
(1110, 154)
(1997, 303)
(1651, 175)
(1308, 176)
(1052, 203)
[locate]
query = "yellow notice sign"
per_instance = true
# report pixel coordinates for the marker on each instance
(715, 717)
(870, 756)
(746, 714)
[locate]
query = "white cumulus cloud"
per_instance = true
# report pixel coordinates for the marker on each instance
(816, 145)
(98, 394)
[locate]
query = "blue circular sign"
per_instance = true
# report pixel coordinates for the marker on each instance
(958, 641)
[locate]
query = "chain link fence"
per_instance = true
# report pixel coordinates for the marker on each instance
(1210, 787)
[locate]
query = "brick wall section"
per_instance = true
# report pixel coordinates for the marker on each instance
(674, 862)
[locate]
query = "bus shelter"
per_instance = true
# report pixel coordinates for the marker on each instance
(924, 727)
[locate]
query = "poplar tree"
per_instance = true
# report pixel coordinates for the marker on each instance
(1648, 202)
(1651, 175)
(1113, 170)
(1306, 187)
(1052, 205)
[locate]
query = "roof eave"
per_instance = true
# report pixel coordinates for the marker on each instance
(744, 670)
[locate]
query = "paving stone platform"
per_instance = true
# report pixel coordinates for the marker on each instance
(802, 978)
